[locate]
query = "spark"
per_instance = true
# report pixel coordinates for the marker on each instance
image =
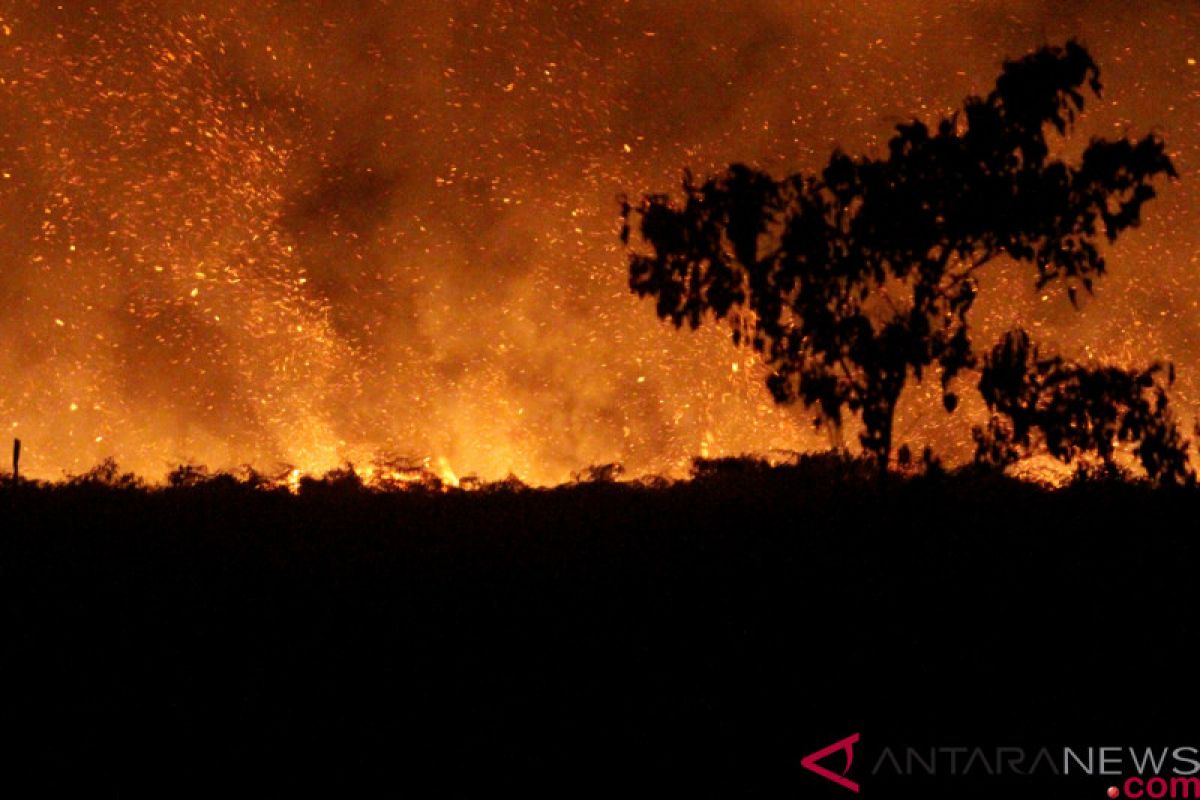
(404, 224)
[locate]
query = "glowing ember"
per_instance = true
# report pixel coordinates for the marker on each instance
(280, 233)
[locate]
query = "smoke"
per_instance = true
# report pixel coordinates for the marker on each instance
(308, 232)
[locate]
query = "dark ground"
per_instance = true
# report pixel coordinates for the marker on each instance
(696, 640)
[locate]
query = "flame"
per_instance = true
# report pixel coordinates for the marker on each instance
(387, 476)
(229, 240)
(446, 473)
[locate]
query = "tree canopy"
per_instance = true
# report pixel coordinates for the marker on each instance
(854, 281)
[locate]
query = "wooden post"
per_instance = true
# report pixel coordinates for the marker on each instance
(16, 461)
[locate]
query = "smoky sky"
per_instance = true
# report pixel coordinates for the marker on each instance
(306, 233)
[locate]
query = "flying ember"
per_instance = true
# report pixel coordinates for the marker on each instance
(285, 235)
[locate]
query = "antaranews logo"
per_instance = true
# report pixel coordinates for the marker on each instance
(1139, 772)
(811, 762)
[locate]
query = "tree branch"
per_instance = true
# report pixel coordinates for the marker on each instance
(955, 280)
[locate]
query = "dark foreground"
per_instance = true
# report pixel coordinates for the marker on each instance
(692, 640)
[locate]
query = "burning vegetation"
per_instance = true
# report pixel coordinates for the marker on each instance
(278, 234)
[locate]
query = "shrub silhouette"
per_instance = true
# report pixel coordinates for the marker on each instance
(1067, 409)
(855, 280)
(107, 474)
(189, 475)
(599, 473)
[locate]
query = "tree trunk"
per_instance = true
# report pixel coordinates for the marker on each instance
(884, 454)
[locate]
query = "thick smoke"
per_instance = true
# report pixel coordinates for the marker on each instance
(308, 232)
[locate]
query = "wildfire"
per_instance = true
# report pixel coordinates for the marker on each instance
(446, 473)
(273, 233)
(384, 475)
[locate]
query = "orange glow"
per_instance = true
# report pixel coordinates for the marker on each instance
(280, 234)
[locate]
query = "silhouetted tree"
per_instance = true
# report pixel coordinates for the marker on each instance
(1067, 409)
(850, 281)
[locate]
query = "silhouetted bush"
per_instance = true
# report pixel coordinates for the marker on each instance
(599, 473)
(106, 474)
(1068, 410)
